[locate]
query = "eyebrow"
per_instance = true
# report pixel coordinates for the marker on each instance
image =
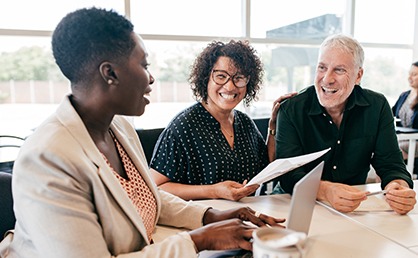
(221, 70)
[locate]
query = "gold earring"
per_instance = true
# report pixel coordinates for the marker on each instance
(109, 81)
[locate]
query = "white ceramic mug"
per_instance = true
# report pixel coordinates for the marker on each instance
(278, 243)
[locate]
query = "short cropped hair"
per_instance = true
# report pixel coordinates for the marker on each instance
(348, 44)
(243, 57)
(85, 38)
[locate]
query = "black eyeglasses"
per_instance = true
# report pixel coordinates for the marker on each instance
(221, 77)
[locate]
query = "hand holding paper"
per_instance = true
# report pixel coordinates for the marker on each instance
(282, 166)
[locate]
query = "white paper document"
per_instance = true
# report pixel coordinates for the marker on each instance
(282, 166)
(374, 203)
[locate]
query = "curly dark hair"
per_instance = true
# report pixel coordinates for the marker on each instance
(243, 57)
(86, 37)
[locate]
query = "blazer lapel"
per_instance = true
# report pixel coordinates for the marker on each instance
(128, 142)
(72, 121)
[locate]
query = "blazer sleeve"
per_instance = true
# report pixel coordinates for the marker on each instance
(179, 213)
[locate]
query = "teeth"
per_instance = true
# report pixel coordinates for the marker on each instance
(227, 96)
(327, 90)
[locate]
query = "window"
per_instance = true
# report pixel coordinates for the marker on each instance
(286, 36)
(45, 14)
(217, 18)
(297, 19)
(385, 21)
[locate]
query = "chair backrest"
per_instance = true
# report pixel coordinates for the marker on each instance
(7, 215)
(9, 148)
(148, 138)
(262, 125)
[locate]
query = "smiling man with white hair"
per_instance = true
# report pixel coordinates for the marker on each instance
(356, 123)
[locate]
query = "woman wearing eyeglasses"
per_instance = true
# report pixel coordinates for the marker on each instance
(210, 150)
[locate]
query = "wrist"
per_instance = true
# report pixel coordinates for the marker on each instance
(322, 191)
(208, 216)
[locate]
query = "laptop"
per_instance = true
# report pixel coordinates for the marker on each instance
(304, 199)
(300, 216)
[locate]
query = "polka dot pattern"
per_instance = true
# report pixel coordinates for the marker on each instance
(137, 190)
(193, 150)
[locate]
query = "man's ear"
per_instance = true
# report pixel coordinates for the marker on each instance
(359, 75)
(107, 72)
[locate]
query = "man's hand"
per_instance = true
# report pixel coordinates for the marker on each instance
(342, 197)
(400, 197)
(275, 108)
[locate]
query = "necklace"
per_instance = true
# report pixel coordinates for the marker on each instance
(225, 131)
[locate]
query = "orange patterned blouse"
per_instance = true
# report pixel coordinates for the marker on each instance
(137, 190)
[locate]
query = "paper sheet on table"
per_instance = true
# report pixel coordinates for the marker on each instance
(281, 166)
(373, 203)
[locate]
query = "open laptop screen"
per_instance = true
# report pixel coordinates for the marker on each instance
(304, 199)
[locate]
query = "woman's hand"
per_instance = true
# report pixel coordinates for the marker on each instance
(231, 190)
(276, 106)
(223, 235)
(228, 230)
(242, 213)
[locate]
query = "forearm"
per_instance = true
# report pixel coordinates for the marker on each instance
(399, 181)
(324, 187)
(190, 192)
(271, 147)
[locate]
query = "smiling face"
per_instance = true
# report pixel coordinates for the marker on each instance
(134, 81)
(336, 76)
(413, 77)
(224, 98)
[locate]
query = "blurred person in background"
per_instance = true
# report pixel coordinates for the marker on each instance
(406, 108)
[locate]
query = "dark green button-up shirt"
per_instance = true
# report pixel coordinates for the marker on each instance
(366, 137)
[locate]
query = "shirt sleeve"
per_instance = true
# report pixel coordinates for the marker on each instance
(387, 159)
(169, 158)
(288, 145)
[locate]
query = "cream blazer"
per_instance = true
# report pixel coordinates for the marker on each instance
(69, 204)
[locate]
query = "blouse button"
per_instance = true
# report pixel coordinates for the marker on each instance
(334, 167)
(330, 122)
(338, 142)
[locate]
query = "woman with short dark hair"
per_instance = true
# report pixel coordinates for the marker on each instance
(81, 184)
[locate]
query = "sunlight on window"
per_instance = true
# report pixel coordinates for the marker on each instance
(31, 85)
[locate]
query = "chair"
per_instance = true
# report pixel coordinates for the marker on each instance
(9, 147)
(262, 125)
(7, 215)
(148, 138)
(411, 135)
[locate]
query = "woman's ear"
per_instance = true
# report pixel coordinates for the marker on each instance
(107, 73)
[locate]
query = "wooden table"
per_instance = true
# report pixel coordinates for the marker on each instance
(334, 234)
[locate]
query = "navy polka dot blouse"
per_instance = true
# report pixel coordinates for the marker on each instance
(193, 150)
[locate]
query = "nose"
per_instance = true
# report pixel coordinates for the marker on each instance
(151, 79)
(328, 77)
(229, 85)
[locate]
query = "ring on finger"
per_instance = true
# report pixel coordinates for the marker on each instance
(257, 214)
